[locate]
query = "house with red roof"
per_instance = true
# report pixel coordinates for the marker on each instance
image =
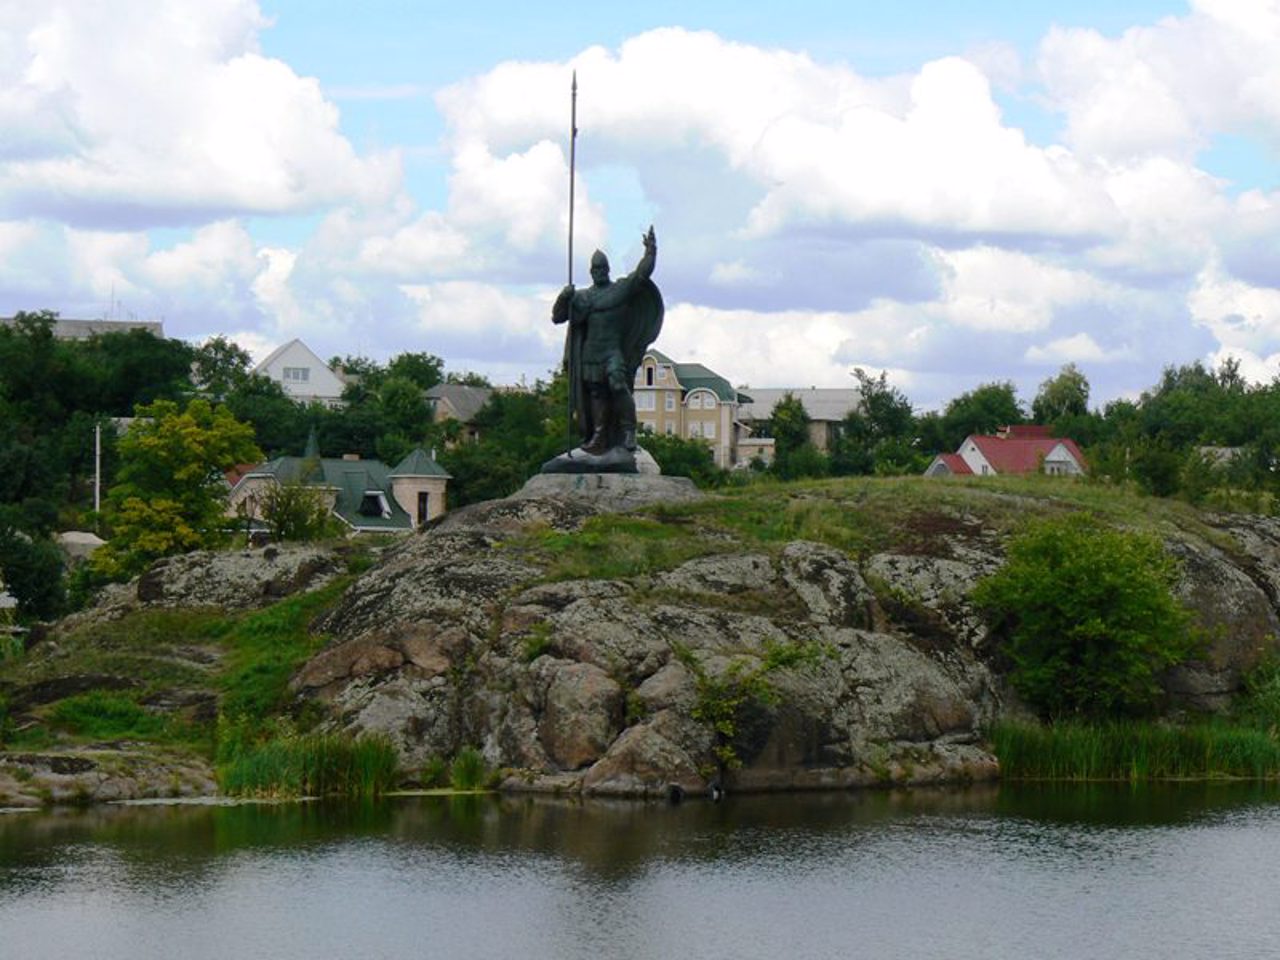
(1016, 450)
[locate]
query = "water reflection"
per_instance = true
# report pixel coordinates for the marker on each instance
(983, 872)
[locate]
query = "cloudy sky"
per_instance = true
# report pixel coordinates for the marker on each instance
(955, 196)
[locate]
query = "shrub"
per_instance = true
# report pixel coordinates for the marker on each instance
(1087, 617)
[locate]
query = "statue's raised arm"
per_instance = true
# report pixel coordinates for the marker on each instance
(649, 259)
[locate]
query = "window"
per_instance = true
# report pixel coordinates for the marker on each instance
(708, 402)
(648, 376)
(671, 402)
(297, 374)
(670, 428)
(693, 429)
(644, 400)
(374, 504)
(662, 373)
(709, 430)
(695, 401)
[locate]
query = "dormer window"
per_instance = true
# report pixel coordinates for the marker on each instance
(374, 504)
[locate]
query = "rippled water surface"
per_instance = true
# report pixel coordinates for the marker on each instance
(1015, 872)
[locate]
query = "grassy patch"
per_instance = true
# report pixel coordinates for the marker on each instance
(468, 771)
(264, 649)
(294, 765)
(612, 546)
(102, 715)
(1134, 751)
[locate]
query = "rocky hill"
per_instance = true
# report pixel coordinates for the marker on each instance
(631, 636)
(798, 638)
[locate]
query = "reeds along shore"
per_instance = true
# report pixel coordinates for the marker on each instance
(1135, 751)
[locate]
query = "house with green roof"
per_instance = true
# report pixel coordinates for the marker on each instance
(690, 400)
(366, 495)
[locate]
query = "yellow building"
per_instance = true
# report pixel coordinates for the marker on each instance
(689, 400)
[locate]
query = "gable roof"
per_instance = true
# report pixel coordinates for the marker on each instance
(465, 400)
(954, 463)
(327, 384)
(1016, 453)
(820, 403)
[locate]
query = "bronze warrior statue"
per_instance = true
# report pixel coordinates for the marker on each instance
(611, 324)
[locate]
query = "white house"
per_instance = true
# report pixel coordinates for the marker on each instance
(303, 375)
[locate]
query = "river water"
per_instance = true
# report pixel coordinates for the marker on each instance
(1016, 872)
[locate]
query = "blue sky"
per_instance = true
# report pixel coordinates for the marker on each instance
(954, 193)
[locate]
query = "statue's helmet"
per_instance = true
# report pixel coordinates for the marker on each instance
(598, 259)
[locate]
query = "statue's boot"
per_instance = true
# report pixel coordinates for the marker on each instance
(598, 443)
(627, 416)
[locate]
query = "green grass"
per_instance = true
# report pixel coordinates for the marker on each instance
(612, 547)
(264, 649)
(292, 765)
(468, 771)
(1132, 751)
(101, 715)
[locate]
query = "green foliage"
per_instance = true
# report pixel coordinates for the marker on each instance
(794, 455)
(1133, 751)
(537, 643)
(788, 424)
(295, 512)
(31, 569)
(1087, 616)
(518, 432)
(879, 437)
(1259, 705)
(266, 647)
(170, 495)
(435, 773)
(981, 410)
(289, 764)
(690, 457)
(729, 701)
(1063, 396)
(425, 370)
(102, 715)
(219, 367)
(612, 546)
(468, 771)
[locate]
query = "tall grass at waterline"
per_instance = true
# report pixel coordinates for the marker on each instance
(311, 765)
(468, 771)
(1131, 751)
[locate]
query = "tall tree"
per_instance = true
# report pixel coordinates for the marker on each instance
(170, 495)
(878, 436)
(1065, 395)
(981, 410)
(219, 367)
(424, 369)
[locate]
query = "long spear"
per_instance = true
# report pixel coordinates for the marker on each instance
(573, 162)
